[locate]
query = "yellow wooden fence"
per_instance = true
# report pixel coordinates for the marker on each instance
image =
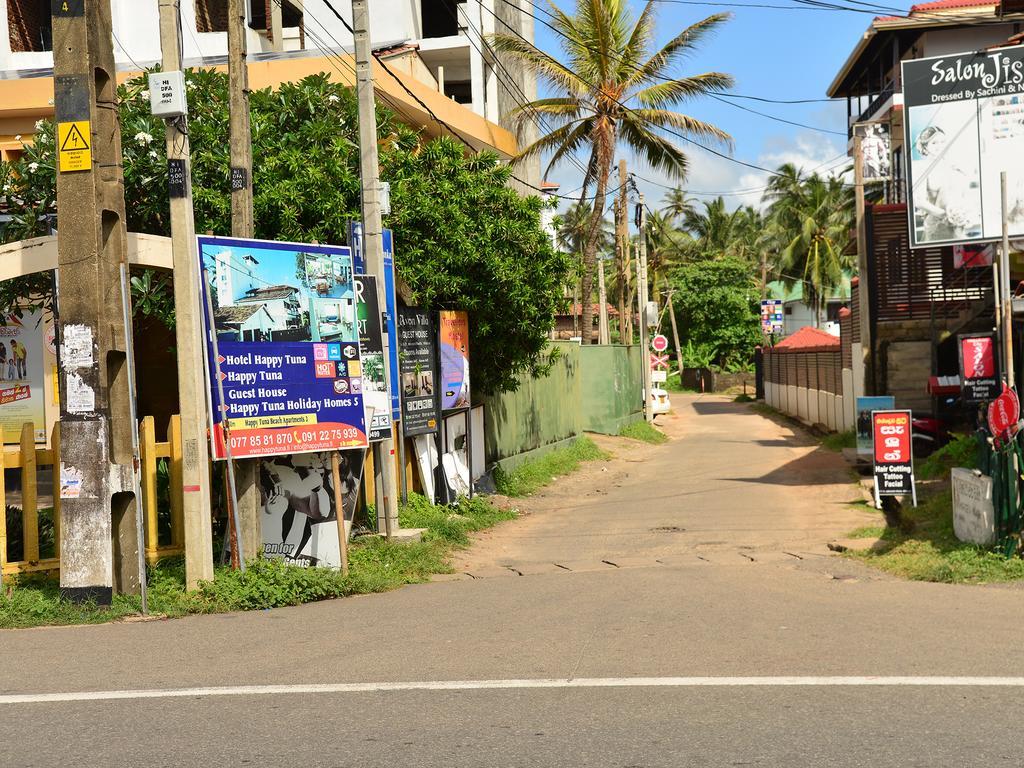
(28, 459)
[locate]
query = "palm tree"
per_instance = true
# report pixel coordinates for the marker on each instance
(610, 87)
(678, 205)
(571, 231)
(810, 221)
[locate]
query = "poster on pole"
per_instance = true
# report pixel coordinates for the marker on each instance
(417, 362)
(287, 347)
(963, 126)
(300, 523)
(893, 453)
(376, 394)
(22, 399)
(454, 338)
(875, 151)
(979, 377)
(772, 320)
(355, 232)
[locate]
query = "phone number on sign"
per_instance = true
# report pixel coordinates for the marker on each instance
(296, 438)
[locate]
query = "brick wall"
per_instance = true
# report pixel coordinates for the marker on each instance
(26, 20)
(211, 15)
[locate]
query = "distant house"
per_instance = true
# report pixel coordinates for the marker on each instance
(567, 324)
(797, 314)
(249, 322)
(280, 301)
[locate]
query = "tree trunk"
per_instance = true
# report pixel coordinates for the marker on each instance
(590, 248)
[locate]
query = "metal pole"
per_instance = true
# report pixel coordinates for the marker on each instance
(195, 458)
(1007, 294)
(225, 423)
(386, 490)
(645, 352)
(240, 139)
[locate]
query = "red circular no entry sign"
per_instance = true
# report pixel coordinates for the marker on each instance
(659, 343)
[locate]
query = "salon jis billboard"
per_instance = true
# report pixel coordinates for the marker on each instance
(964, 124)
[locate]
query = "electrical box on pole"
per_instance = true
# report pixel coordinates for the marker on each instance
(167, 93)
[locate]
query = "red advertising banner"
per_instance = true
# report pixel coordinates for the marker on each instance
(893, 452)
(979, 377)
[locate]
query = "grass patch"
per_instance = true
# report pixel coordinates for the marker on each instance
(531, 475)
(641, 430)
(961, 451)
(743, 397)
(931, 552)
(867, 532)
(375, 565)
(837, 441)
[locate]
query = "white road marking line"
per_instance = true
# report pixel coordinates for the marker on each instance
(486, 685)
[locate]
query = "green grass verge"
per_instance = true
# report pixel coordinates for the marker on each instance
(836, 441)
(375, 565)
(931, 552)
(641, 430)
(961, 451)
(531, 475)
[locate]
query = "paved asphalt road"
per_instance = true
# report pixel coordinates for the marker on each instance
(701, 561)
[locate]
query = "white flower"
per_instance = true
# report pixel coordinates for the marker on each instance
(143, 138)
(33, 167)
(333, 98)
(40, 124)
(144, 94)
(189, 85)
(18, 137)
(152, 153)
(7, 188)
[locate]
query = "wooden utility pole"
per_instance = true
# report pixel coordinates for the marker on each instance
(603, 334)
(373, 247)
(622, 260)
(250, 537)
(641, 301)
(101, 523)
(195, 460)
(675, 333)
(863, 287)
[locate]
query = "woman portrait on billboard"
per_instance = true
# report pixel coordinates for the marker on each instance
(947, 202)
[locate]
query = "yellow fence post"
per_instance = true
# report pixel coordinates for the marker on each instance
(177, 482)
(3, 514)
(55, 459)
(29, 510)
(147, 450)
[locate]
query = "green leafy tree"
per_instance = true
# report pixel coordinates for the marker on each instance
(612, 86)
(717, 305)
(462, 236)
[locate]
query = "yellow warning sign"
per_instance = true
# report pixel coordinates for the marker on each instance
(75, 150)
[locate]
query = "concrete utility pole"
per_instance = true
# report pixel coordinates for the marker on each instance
(622, 262)
(863, 287)
(675, 333)
(373, 246)
(188, 334)
(250, 538)
(641, 301)
(1007, 294)
(603, 334)
(100, 532)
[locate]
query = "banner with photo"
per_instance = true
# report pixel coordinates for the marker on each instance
(875, 151)
(963, 126)
(376, 394)
(300, 522)
(21, 376)
(417, 348)
(454, 338)
(285, 324)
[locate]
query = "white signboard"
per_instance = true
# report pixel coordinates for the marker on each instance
(973, 514)
(659, 377)
(964, 125)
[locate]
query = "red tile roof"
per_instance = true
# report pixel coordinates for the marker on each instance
(809, 339)
(943, 5)
(577, 309)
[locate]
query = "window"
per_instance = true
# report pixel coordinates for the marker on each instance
(460, 91)
(260, 15)
(211, 16)
(440, 18)
(29, 25)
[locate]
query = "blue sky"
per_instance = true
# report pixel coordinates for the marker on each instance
(774, 53)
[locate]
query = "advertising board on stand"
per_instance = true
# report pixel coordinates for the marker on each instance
(286, 345)
(963, 126)
(893, 454)
(979, 377)
(454, 339)
(417, 366)
(22, 398)
(376, 393)
(864, 406)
